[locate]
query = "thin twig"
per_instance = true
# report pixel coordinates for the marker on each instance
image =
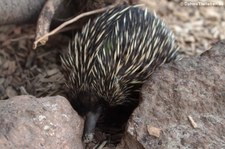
(45, 37)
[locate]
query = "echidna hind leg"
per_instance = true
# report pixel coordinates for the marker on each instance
(89, 125)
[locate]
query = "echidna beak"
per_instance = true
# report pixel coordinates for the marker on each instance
(89, 125)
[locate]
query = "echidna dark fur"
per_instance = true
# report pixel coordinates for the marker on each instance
(110, 59)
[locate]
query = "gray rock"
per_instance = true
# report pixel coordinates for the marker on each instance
(191, 87)
(39, 123)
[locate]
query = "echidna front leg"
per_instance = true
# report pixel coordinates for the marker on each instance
(89, 125)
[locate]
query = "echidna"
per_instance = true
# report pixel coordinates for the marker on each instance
(110, 59)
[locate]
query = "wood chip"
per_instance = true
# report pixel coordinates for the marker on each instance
(2, 80)
(102, 145)
(154, 131)
(52, 71)
(10, 92)
(23, 91)
(10, 67)
(194, 125)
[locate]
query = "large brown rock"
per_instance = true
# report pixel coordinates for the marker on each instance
(39, 123)
(192, 87)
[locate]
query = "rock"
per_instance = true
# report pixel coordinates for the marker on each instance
(192, 87)
(39, 123)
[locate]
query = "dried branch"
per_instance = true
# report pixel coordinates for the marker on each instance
(45, 18)
(44, 38)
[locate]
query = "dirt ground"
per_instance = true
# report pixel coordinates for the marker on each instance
(27, 71)
(36, 72)
(195, 27)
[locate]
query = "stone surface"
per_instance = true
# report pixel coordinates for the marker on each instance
(39, 123)
(192, 87)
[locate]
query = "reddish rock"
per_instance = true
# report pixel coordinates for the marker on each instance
(192, 87)
(39, 123)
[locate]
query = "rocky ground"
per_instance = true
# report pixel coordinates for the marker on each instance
(24, 71)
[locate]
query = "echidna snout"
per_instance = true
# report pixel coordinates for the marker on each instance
(89, 125)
